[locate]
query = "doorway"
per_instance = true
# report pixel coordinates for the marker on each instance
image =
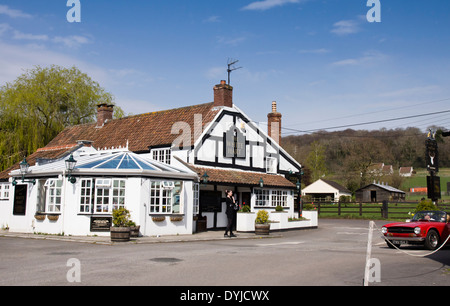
(373, 195)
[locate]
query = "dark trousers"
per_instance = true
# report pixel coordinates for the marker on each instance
(229, 225)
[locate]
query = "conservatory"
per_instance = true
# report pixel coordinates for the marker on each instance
(76, 195)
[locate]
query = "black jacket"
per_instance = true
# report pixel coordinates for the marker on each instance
(230, 207)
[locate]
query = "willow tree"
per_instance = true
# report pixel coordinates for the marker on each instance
(39, 104)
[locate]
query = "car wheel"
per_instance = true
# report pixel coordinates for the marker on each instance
(393, 244)
(432, 240)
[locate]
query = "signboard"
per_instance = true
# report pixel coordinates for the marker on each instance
(20, 200)
(101, 224)
(434, 187)
(234, 143)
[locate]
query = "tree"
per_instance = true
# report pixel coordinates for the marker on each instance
(316, 160)
(39, 104)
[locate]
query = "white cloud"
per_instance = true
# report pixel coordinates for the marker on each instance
(314, 51)
(5, 10)
(212, 19)
(73, 41)
(267, 4)
(369, 57)
(24, 36)
(4, 27)
(345, 27)
(231, 41)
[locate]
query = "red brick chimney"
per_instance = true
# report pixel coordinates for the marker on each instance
(274, 123)
(223, 94)
(104, 113)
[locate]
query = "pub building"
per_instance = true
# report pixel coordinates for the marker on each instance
(169, 168)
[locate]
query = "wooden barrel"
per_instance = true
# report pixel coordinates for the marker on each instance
(262, 229)
(120, 234)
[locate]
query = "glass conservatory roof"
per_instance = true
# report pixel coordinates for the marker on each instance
(124, 161)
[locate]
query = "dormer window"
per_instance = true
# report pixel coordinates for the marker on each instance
(161, 155)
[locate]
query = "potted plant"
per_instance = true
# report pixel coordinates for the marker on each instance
(262, 225)
(134, 229)
(120, 231)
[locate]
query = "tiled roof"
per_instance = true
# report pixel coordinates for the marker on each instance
(234, 177)
(48, 153)
(139, 131)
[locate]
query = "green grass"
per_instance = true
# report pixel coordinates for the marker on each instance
(420, 180)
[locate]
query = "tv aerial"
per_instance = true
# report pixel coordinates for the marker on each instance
(231, 68)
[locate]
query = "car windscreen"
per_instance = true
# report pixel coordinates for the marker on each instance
(438, 216)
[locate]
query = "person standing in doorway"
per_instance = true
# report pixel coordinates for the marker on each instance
(230, 213)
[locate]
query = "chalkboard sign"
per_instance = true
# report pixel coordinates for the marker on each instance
(210, 201)
(101, 224)
(20, 200)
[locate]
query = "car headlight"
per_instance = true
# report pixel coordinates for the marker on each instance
(384, 230)
(417, 230)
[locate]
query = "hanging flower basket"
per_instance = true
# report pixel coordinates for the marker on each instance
(39, 217)
(176, 218)
(53, 217)
(158, 218)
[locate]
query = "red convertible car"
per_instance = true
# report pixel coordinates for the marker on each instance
(429, 228)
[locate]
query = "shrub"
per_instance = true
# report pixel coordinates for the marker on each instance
(245, 209)
(121, 217)
(279, 208)
(425, 205)
(262, 217)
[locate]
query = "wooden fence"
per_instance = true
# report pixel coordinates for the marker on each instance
(400, 210)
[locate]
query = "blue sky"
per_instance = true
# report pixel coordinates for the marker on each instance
(321, 60)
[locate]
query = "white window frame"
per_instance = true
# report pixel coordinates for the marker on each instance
(162, 155)
(271, 165)
(4, 191)
(163, 195)
(86, 195)
(196, 190)
(53, 195)
(271, 197)
(109, 195)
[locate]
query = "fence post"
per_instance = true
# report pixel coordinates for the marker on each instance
(384, 210)
(339, 208)
(360, 208)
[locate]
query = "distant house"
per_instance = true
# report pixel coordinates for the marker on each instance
(377, 192)
(324, 190)
(381, 169)
(405, 171)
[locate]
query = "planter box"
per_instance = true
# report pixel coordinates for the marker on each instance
(245, 222)
(279, 221)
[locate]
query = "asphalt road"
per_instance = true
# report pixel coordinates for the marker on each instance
(333, 254)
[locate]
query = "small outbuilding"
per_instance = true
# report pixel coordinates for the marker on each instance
(325, 190)
(378, 192)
